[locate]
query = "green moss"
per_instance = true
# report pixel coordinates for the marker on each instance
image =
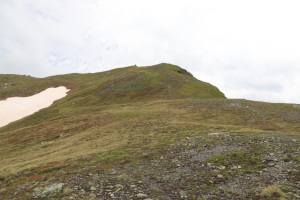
(297, 158)
(248, 163)
(199, 89)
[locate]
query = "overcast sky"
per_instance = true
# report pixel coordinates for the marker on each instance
(247, 48)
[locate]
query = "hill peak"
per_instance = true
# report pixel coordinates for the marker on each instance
(171, 67)
(128, 84)
(162, 81)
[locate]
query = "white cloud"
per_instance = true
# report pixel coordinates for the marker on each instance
(249, 49)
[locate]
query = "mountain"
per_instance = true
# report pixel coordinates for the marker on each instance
(163, 81)
(146, 132)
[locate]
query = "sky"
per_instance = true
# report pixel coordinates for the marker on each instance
(248, 49)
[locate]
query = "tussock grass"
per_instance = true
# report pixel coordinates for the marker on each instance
(273, 192)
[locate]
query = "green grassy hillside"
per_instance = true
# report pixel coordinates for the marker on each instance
(146, 130)
(124, 85)
(92, 95)
(163, 81)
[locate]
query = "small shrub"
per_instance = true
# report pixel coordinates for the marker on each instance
(273, 192)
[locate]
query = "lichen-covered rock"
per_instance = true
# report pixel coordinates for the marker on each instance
(93, 188)
(141, 195)
(48, 191)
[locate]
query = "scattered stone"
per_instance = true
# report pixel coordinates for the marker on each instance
(296, 106)
(92, 196)
(67, 191)
(118, 187)
(236, 167)
(271, 164)
(123, 177)
(213, 133)
(187, 160)
(141, 195)
(93, 188)
(183, 194)
(209, 164)
(82, 191)
(222, 167)
(48, 191)
(296, 196)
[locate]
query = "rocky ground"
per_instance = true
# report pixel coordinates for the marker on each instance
(208, 166)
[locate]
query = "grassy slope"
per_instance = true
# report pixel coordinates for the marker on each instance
(93, 105)
(126, 113)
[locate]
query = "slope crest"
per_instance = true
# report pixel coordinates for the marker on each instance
(163, 81)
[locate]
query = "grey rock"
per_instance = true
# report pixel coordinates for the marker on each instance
(93, 188)
(296, 196)
(209, 164)
(271, 164)
(92, 196)
(220, 176)
(296, 106)
(47, 191)
(141, 195)
(221, 167)
(183, 194)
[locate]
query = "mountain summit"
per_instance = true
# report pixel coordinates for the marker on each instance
(163, 81)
